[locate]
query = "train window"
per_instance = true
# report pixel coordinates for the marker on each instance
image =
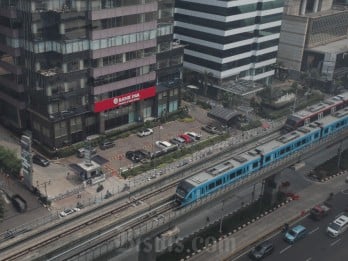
(298, 143)
(232, 175)
(239, 172)
(211, 185)
(268, 158)
(288, 149)
(255, 164)
(282, 151)
(218, 182)
(304, 141)
(316, 135)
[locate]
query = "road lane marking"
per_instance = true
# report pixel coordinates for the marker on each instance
(309, 259)
(312, 231)
(335, 242)
(283, 250)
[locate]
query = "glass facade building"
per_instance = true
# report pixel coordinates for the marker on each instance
(229, 38)
(73, 68)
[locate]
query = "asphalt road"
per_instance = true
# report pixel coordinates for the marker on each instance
(317, 245)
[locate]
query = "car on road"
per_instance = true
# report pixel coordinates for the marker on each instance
(211, 129)
(338, 226)
(68, 211)
(40, 160)
(106, 144)
(319, 211)
(295, 233)
(261, 250)
(81, 152)
(163, 144)
(145, 132)
(193, 135)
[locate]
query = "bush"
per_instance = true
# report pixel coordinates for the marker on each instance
(100, 188)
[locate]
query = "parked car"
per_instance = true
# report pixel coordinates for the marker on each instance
(143, 153)
(134, 156)
(106, 144)
(262, 250)
(178, 140)
(163, 144)
(211, 129)
(186, 137)
(81, 152)
(193, 135)
(68, 211)
(145, 132)
(40, 160)
(294, 234)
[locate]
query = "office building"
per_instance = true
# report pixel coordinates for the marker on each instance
(74, 68)
(314, 38)
(229, 39)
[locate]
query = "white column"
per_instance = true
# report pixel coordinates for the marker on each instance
(303, 7)
(315, 6)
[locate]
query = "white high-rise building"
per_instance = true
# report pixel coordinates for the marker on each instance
(229, 38)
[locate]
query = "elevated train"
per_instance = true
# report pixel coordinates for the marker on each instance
(244, 164)
(316, 112)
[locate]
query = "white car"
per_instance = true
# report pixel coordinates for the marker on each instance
(163, 144)
(193, 135)
(145, 132)
(68, 211)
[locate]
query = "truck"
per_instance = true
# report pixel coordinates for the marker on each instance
(319, 211)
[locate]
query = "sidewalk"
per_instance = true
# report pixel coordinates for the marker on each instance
(271, 222)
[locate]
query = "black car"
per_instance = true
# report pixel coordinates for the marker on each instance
(131, 155)
(262, 250)
(144, 154)
(106, 144)
(40, 160)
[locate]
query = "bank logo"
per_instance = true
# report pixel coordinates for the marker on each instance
(115, 101)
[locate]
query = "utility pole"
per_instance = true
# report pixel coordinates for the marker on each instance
(339, 154)
(222, 215)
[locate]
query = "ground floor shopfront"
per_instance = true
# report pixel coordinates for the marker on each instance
(113, 113)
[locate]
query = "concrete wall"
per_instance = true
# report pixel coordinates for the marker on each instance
(292, 41)
(326, 5)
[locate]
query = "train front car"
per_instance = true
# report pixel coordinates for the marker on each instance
(182, 191)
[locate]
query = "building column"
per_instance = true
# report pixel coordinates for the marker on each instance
(303, 7)
(315, 6)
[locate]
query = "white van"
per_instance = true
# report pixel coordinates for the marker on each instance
(338, 226)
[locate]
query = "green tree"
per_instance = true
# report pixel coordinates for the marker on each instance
(9, 162)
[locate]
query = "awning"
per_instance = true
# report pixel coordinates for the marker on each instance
(223, 114)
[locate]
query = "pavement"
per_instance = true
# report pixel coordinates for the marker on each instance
(270, 222)
(59, 181)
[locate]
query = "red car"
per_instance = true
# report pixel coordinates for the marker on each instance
(186, 137)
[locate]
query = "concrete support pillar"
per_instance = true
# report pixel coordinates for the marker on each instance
(303, 7)
(270, 189)
(316, 6)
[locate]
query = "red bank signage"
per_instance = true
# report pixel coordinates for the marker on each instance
(124, 99)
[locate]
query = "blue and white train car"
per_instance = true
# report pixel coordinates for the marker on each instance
(244, 164)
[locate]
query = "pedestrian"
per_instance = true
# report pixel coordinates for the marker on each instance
(208, 219)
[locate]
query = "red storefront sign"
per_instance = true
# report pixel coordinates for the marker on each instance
(124, 99)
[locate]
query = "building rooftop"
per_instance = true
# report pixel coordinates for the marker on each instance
(241, 87)
(340, 46)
